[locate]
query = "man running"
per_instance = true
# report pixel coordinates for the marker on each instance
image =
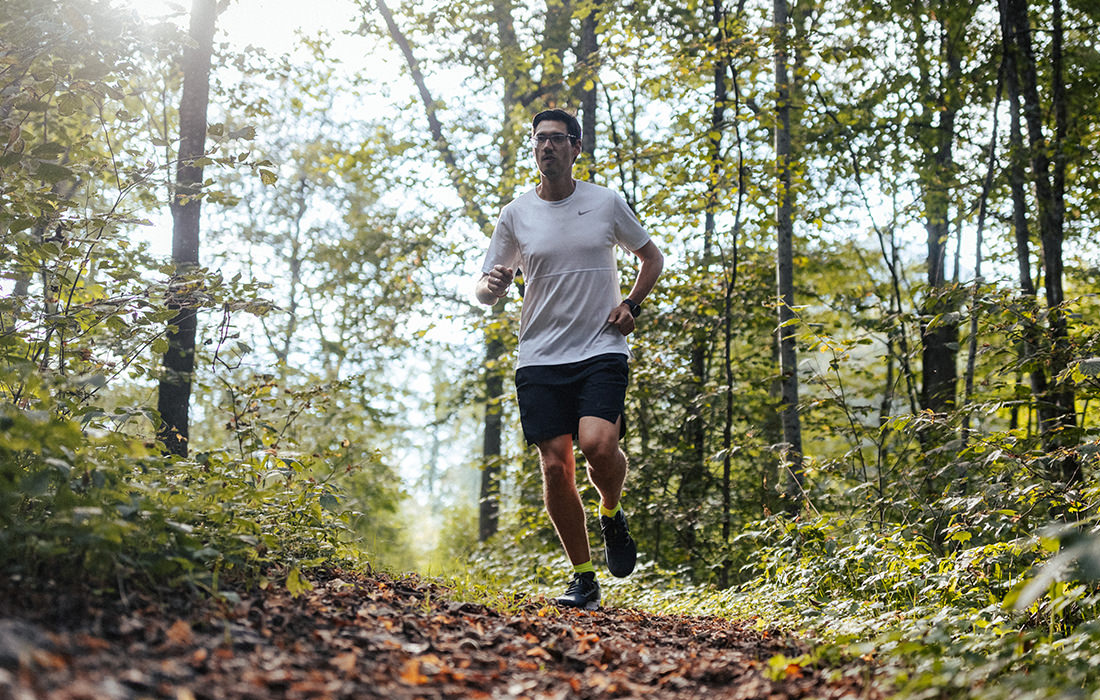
(572, 374)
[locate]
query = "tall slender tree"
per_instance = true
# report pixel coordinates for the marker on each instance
(784, 262)
(939, 63)
(1017, 179)
(174, 398)
(1057, 403)
(588, 60)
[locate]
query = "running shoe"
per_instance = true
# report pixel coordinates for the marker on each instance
(619, 547)
(583, 592)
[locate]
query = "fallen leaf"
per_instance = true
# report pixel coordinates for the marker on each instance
(586, 642)
(180, 633)
(345, 662)
(92, 643)
(411, 675)
(45, 659)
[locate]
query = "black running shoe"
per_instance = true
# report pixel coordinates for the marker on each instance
(619, 547)
(583, 592)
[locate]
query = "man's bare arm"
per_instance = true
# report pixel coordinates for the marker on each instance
(493, 284)
(653, 262)
(648, 272)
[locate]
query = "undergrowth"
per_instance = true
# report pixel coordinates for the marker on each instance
(974, 616)
(111, 512)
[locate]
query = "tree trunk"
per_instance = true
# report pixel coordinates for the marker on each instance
(701, 345)
(940, 341)
(729, 282)
(987, 183)
(1057, 405)
(1017, 179)
(784, 258)
(489, 502)
(174, 396)
(588, 66)
(557, 32)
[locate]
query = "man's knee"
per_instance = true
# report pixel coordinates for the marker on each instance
(555, 470)
(556, 461)
(600, 446)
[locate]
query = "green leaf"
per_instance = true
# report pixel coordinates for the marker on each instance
(52, 172)
(268, 177)
(33, 106)
(35, 483)
(48, 150)
(70, 103)
(21, 225)
(329, 502)
(297, 584)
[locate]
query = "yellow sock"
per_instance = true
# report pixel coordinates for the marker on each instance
(611, 513)
(581, 568)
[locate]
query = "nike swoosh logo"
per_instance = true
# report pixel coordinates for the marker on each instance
(582, 213)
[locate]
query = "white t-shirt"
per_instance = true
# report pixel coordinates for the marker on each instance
(566, 250)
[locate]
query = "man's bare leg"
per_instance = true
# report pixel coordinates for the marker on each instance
(562, 500)
(599, 442)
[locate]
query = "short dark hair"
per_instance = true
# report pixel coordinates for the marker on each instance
(572, 126)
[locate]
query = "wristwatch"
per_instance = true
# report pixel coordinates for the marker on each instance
(635, 307)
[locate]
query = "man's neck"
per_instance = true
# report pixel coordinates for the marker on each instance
(556, 190)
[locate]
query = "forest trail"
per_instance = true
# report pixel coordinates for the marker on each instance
(373, 636)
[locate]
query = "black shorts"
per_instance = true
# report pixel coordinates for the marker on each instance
(552, 398)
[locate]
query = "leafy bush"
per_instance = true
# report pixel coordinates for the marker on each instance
(111, 510)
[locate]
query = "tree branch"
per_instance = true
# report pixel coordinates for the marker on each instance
(458, 179)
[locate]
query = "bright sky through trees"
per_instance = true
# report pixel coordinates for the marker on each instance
(269, 24)
(275, 26)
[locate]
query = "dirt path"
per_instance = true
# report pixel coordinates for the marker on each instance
(357, 636)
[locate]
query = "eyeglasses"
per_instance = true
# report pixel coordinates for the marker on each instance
(558, 139)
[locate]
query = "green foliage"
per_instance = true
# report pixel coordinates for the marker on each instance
(86, 495)
(936, 621)
(109, 511)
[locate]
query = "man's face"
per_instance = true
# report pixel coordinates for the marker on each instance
(554, 159)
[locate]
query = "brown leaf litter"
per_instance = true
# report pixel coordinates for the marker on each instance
(373, 636)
